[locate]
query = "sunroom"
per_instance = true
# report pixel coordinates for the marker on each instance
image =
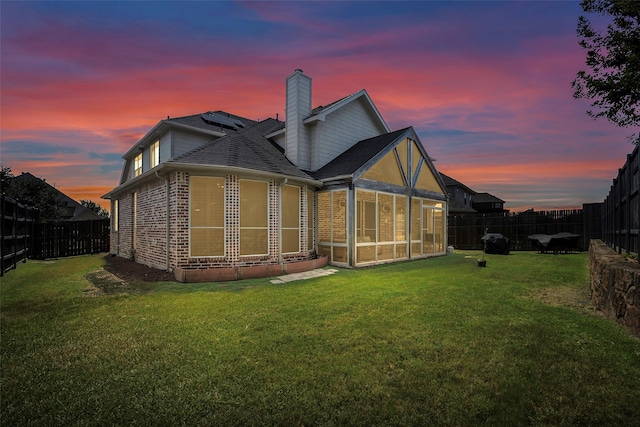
(389, 207)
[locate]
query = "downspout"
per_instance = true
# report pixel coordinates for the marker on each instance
(168, 222)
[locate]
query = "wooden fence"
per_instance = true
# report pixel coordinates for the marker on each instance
(70, 238)
(24, 237)
(620, 214)
(18, 222)
(465, 230)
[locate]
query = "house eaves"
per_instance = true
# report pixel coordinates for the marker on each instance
(322, 114)
(165, 168)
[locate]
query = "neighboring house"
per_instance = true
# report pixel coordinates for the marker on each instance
(460, 196)
(67, 208)
(217, 197)
(488, 203)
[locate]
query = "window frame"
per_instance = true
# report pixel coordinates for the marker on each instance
(241, 228)
(137, 165)
(282, 225)
(154, 154)
(209, 227)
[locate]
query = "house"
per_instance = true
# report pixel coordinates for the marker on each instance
(215, 196)
(460, 196)
(488, 203)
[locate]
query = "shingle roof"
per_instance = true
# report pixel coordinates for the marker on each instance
(357, 156)
(486, 198)
(450, 182)
(247, 148)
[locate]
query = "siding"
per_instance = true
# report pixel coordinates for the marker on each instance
(186, 141)
(341, 130)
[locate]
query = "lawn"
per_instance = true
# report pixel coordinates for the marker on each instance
(431, 342)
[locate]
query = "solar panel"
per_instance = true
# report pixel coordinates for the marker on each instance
(222, 120)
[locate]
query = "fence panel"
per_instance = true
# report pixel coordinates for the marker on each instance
(63, 239)
(465, 230)
(17, 229)
(620, 216)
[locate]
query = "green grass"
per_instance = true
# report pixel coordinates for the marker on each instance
(429, 342)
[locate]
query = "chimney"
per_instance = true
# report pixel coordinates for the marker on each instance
(298, 108)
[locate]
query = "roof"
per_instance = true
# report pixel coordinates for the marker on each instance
(201, 122)
(247, 149)
(486, 198)
(357, 156)
(69, 209)
(450, 182)
(457, 207)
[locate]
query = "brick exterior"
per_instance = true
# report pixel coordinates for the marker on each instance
(151, 230)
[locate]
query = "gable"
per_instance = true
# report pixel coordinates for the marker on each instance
(340, 126)
(393, 168)
(387, 170)
(423, 174)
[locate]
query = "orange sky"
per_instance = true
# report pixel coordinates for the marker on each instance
(487, 86)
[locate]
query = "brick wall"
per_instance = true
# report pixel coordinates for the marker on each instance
(232, 256)
(122, 240)
(151, 225)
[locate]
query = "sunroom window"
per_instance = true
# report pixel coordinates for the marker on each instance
(381, 226)
(332, 225)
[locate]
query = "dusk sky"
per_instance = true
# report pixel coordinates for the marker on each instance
(486, 85)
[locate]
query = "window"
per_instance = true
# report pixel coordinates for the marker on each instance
(427, 227)
(154, 155)
(137, 165)
(254, 215)
(381, 226)
(206, 216)
(332, 225)
(290, 219)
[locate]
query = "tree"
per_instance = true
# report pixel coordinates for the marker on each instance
(31, 191)
(5, 178)
(90, 204)
(613, 84)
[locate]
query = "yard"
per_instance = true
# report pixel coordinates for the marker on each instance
(430, 342)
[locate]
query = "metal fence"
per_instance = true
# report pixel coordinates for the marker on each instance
(18, 221)
(465, 230)
(620, 214)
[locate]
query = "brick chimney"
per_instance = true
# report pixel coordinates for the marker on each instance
(298, 108)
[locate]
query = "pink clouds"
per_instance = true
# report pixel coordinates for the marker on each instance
(487, 86)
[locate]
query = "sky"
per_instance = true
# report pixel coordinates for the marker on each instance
(485, 84)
